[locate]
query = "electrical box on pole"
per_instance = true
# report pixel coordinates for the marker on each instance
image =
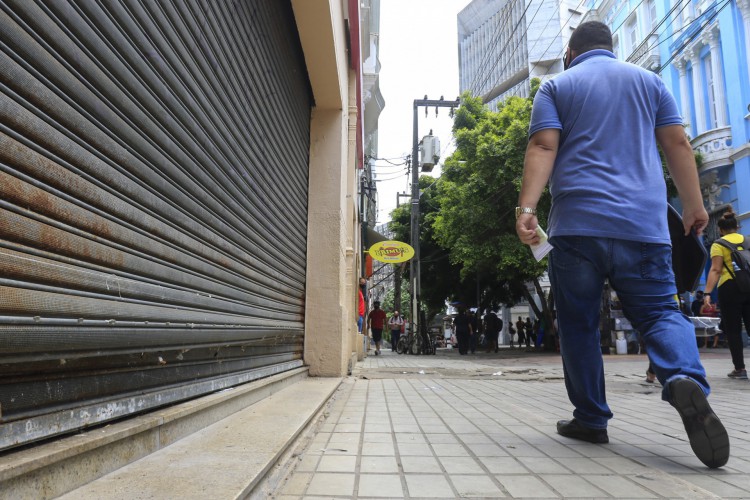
(430, 152)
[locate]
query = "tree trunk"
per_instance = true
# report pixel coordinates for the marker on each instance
(549, 321)
(532, 302)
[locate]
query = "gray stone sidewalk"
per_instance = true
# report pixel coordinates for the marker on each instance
(483, 426)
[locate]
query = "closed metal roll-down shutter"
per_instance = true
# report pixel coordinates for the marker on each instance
(153, 205)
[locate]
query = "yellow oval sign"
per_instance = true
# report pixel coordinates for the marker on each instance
(391, 252)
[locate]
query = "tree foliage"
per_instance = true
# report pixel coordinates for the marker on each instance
(440, 277)
(478, 194)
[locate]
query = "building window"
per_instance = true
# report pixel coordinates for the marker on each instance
(616, 46)
(651, 7)
(631, 34)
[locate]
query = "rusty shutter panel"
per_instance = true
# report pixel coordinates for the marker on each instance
(153, 205)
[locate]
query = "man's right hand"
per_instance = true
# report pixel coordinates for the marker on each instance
(526, 229)
(695, 219)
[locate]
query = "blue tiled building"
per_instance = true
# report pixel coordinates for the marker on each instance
(700, 48)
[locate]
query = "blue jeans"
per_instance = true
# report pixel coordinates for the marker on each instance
(641, 274)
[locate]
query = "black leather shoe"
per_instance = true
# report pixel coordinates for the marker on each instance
(707, 435)
(575, 430)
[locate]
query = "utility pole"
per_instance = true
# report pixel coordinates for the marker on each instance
(414, 264)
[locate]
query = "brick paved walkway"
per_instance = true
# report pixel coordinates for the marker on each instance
(483, 426)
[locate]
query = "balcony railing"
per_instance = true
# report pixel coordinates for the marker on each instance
(646, 54)
(715, 146)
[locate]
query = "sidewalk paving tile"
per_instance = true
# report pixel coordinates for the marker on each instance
(461, 465)
(542, 465)
(378, 465)
(620, 487)
(717, 486)
(332, 484)
(584, 465)
(377, 437)
(476, 486)
(503, 465)
(380, 485)
(526, 486)
(429, 485)
(450, 450)
(452, 432)
(386, 449)
(573, 486)
(420, 464)
(337, 463)
(418, 449)
(441, 438)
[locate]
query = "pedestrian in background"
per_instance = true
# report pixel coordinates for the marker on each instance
(492, 327)
(593, 135)
(376, 323)
(520, 327)
(697, 303)
(530, 335)
(395, 323)
(474, 336)
(734, 304)
(462, 328)
(361, 308)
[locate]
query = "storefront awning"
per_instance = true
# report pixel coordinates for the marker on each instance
(373, 237)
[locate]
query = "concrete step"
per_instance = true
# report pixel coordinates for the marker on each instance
(225, 460)
(219, 446)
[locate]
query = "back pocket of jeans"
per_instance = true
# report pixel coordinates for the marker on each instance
(656, 262)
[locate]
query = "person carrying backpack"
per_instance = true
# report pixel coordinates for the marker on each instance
(730, 268)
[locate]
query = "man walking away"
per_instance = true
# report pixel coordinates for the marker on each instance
(376, 323)
(593, 136)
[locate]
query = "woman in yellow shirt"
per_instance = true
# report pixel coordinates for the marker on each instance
(735, 305)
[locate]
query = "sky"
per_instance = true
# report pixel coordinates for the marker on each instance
(418, 57)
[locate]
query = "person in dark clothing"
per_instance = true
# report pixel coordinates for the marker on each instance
(492, 327)
(474, 337)
(520, 327)
(695, 306)
(530, 335)
(462, 327)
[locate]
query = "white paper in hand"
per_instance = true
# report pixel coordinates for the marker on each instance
(543, 248)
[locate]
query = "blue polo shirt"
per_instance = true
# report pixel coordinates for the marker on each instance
(607, 179)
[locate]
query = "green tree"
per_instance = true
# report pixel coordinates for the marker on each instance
(440, 277)
(478, 195)
(389, 304)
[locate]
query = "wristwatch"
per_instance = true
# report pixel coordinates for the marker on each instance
(525, 210)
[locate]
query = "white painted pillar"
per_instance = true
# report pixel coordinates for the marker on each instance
(684, 91)
(700, 113)
(712, 37)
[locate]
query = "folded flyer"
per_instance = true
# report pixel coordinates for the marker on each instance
(543, 248)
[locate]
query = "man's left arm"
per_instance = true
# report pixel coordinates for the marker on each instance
(681, 165)
(537, 168)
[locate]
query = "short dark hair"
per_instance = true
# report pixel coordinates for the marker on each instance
(589, 36)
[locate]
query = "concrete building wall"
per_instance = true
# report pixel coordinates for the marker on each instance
(333, 228)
